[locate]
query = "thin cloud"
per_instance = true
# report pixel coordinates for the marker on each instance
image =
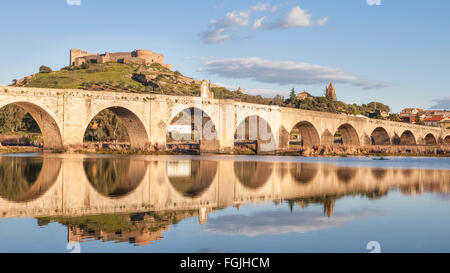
(258, 22)
(73, 2)
(217, 29)
(295, 18)
(260, 7)
(373, 2)
(284, 72)
(322, 21)
(441, 103)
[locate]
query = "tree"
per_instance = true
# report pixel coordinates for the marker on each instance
(278, 100)
(418, 120)
(292, 95)
(44, 69)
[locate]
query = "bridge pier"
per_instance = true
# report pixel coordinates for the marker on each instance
(216, 146)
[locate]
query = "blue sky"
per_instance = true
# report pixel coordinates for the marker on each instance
(396, 52)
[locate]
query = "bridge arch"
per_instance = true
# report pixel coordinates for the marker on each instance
(192, 124)
(380, 136)
(447, 140)
(430, 139)
(50, 130)
(348, 134)
(135, 128)
(407, 138)
(307, 132)
(255, 129)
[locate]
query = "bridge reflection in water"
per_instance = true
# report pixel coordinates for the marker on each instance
(135, 199)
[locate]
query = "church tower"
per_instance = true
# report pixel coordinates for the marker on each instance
(331, 92)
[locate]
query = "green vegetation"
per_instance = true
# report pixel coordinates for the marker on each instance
(45, 69)
(106, 126)
(14, 119)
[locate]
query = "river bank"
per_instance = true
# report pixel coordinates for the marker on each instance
(192, 149)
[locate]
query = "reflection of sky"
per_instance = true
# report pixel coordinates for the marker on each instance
(275, 222)
(399, 222)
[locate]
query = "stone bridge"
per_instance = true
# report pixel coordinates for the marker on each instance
(63, 116)
(71, 186)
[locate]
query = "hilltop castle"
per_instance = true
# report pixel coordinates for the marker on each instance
(141, 56)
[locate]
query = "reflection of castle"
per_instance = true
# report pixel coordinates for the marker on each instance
(137, 237)
(138, 229)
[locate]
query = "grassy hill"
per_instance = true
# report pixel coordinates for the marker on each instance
(116, 77)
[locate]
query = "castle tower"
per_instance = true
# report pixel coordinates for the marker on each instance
(331, 92)
(76, 53)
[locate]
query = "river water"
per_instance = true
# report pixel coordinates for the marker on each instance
(105, 203)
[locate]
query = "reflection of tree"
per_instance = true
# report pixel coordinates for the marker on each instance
(202, 175)
(303, 172)
(17, 176)
(111, 176)
(253, 174)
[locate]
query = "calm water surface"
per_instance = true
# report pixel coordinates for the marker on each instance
(60, 203)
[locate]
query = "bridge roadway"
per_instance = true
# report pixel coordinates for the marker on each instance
(63, 116)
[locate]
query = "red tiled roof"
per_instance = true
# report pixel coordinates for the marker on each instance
(434, 118)
(411, 109)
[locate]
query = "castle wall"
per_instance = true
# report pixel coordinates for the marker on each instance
(141, 56)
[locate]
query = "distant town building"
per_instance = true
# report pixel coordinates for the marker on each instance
(303, 95)
(445, 123)
(437, 112)
(434, 121)
(331, 92)
(410, 115)
(139, 56)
